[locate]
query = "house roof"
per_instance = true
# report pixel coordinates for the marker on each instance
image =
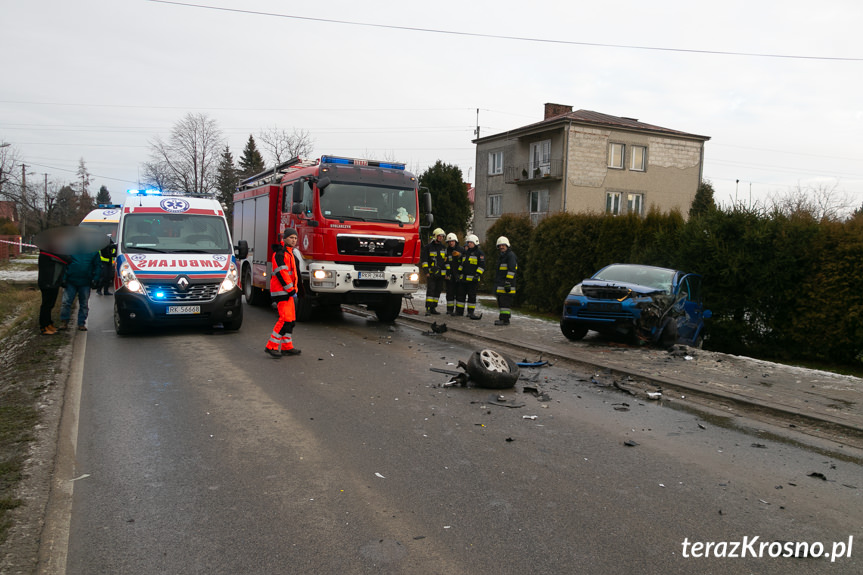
(591, 118)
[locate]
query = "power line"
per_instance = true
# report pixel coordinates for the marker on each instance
(504, 37)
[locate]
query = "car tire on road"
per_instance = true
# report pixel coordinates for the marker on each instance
(571, 331)
(490, 369)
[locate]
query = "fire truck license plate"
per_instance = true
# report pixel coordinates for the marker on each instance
(372, 276)
(183, 309)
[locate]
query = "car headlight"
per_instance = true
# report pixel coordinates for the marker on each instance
(230, 281)
(130, 282)
(576, 290)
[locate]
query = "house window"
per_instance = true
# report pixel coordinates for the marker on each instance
(538, 205)
(639, 158)
(634, 203)
(615, 155)
(612, 203)
(495, 163)
(494, 205)
(540, 159)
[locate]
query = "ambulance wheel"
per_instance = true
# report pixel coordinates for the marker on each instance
(490, 369)
(253, 295)
(121, 325)
(389, 309)
(236, 322)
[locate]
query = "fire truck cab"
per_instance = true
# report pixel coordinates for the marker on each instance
(358, 227)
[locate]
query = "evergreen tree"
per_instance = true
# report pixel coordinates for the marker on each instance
(251, 162)
(104, 196)
(450, 203)
(703, 202)
(226, 183)
(65, 208)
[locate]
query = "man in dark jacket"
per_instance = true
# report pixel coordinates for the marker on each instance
(51, 268)
(106, 256)
(84, 270)
(504, 280)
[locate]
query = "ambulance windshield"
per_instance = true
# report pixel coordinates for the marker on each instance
(175, 233)
(363, 202)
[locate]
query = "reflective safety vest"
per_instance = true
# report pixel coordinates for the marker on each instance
(283, 282)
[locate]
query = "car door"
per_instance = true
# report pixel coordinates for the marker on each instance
(690, 321)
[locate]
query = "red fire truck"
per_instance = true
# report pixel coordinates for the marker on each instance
(358, 226)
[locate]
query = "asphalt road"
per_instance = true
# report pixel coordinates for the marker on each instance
(197, 453)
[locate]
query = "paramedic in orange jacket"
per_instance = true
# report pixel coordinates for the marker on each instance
(285, 282)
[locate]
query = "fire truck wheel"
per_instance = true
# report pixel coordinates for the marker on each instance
(490, 369)
(303, 308)
(253, 295)
(389, 309)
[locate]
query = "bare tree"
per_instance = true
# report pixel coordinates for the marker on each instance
(823, 202)
(282, 146)
(188, 161)
(16, 188)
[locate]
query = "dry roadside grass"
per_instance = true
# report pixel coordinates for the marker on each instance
(32, 376)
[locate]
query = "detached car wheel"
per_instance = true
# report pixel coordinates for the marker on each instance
(492, 370)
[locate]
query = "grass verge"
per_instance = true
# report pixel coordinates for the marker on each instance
(28, 367)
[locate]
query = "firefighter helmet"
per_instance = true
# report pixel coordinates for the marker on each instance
(472, 238)
(502, 241)
(451, 237)
(438, 232)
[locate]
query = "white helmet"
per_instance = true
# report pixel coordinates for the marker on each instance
(502, 241)
(451, 237)
(438, 232)
(471, 238)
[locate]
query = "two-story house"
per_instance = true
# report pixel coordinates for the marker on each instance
(585, 161)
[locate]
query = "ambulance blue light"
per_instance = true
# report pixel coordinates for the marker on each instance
(144, 192)
(160, 295)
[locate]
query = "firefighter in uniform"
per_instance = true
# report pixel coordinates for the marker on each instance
(453, 258)
(504, 280)
(434, 264)
(470, 272)
(285, 283)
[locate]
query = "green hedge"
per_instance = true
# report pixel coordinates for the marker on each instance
(779, 285)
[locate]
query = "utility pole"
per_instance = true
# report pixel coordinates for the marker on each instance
(23, 200)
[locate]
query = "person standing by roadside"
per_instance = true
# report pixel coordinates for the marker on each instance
(285, 283)
(51, 268)
(453, 258)
(470, 270)
(84, 270)
(504, 280)
(434, 264)
(106, 256)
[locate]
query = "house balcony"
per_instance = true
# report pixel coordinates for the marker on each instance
(529, 173)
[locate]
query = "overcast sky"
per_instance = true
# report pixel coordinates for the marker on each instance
(100, 79)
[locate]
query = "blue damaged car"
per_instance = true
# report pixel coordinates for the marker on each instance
(655, 305)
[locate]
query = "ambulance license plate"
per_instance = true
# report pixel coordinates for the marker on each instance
(183, 309)
(372, 276)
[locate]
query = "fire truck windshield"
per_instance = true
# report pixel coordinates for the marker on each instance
(345, 201)
(175, 233)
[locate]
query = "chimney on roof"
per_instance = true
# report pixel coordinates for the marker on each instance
(552, 110)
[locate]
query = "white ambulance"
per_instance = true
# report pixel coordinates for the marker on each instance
(176, 264)
(105, 218)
